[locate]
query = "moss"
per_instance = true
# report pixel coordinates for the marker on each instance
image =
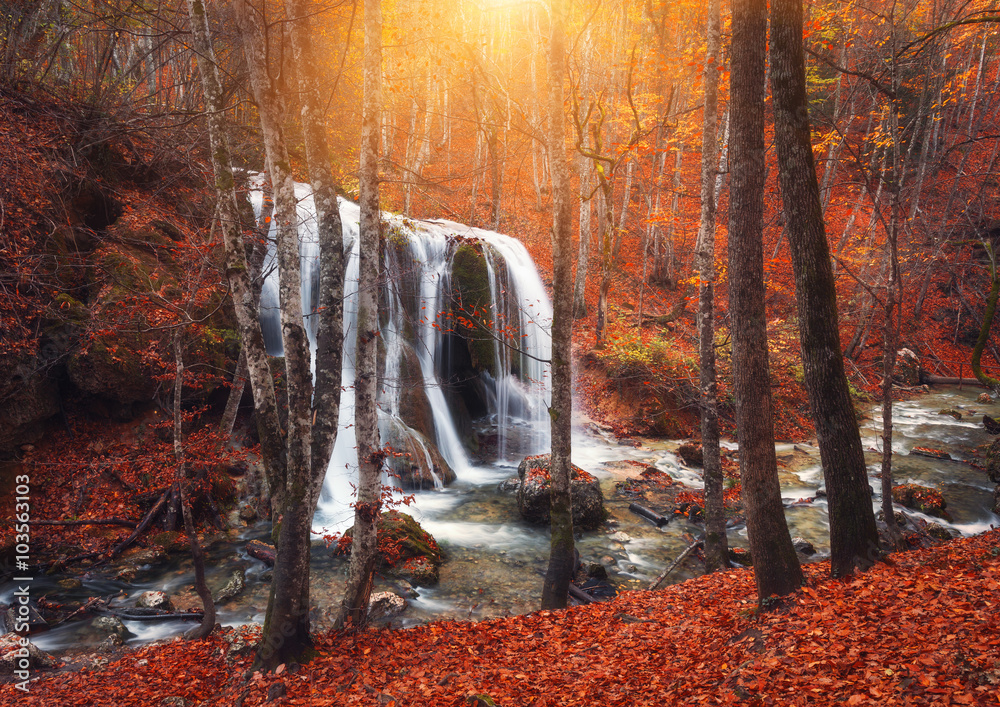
(472, 302)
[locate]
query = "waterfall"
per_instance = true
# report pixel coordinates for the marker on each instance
(463, 367)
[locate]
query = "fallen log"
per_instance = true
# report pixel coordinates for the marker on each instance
(949, 380)
(579, 594)
(683, 556)
(262, 551)
(139, 614)
(658, 520)
(141, 528)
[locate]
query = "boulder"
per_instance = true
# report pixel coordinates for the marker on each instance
(533, 495)
(415, 460)
(233, 588)
(154, 600)
(691, 455)
(921, 498)
(17, 653)
(406, 551)
(385, 605)
(803, 547)
(984, 399)
(907, 369)
(110, 627)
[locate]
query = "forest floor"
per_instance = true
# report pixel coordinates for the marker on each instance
(920, 628)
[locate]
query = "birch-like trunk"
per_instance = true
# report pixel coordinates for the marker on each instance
(716, 546)
(560, 568)
(354, 607)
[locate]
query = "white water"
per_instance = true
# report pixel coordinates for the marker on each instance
(517, 398)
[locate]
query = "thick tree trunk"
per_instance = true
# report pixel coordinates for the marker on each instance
(560, 569)
(984, 330)
(716, 546)
(354, 608)
(776, 567)
(853, 535)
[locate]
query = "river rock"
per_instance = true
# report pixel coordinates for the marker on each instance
(385, 605)
(233, 588)
(154, 600)
(406, 551)
(13, 652)
(921, 498)
(110, 627)
(984, 399)
(803, 546)
(533, 496)
(691, 454)
(907, 369)
(938, 531)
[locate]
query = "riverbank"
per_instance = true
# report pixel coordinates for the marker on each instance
(920, 628)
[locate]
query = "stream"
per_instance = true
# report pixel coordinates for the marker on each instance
(495, 562)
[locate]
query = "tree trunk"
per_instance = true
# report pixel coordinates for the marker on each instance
(197, 556)
(776, 567)
(716, 547)
(237, 271)
(984, 329)
(285, 636)
(853, 535)
(354, 607)
(560, 569)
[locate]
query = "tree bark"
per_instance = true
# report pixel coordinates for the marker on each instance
(716, 546)
(237, 271)
(560, 568)
(776, 566)
(354, 607)
(853, 535)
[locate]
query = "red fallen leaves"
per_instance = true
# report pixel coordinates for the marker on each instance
(923, 630)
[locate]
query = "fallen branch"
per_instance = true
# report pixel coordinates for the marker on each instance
(93, 521)
(141, 528)
(579, 594)
(949, 380)
(683, 556)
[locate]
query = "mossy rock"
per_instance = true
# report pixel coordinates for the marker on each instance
(406, 550)
(30, 398)
(534, 494)
(471, 301)
(170, 541)
(993, 461)
(921, 498)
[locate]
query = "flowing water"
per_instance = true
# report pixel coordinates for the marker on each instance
(495, 562)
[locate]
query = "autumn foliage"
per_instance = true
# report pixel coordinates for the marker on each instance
(920, 630)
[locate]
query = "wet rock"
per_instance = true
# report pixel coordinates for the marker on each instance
(595, 570)
(691, 454)
(533, 496)
(740, 556)
(984, 399)
(385, 605)
(110, 627)
(17, 653)
(509, 486)
(170, 541)
(154, 600)
(69, 584)
(803, 546)
(110, 644)
(951, 412)
(248, 513)
(921, 498)
(938, 531)
(907, 369)
(415, 460)
(233, 588)
(621, 537)
(609, 561)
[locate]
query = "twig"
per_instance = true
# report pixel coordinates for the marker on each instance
(683, 556)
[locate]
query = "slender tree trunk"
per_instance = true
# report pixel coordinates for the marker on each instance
(776, 567)
(560, 569)
(197, 556)
(853, 535)
(237, 271)
(984, 329)
(354, 608)
(716, 547)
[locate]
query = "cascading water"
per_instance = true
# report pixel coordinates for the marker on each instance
(464, 359)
